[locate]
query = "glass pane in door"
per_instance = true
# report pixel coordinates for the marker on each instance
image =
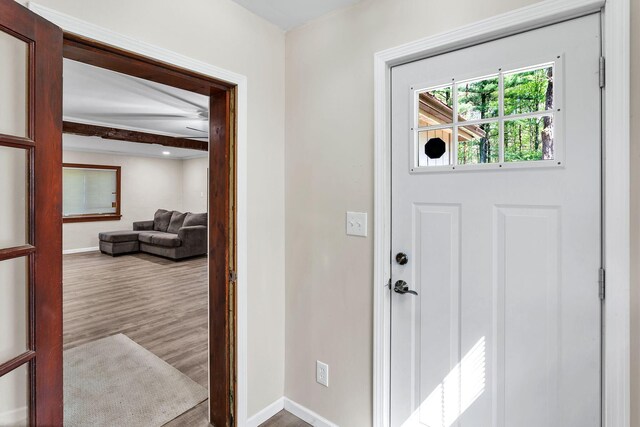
(14, 82)
(14, 397)
(13, 196)
(14, 308)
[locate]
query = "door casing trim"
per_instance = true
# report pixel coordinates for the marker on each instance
(616, 122)
(87, 30)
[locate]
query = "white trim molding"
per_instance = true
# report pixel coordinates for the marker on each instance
(79, 250)
(266, 413)
(85, 29)
(616, 124)
(306, 414)
(616, 326)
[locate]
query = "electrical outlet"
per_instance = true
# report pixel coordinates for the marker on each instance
(322, 373)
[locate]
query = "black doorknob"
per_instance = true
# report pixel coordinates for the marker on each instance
(402, 258)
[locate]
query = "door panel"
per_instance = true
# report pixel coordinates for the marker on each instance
(30, 208)
(496, 202)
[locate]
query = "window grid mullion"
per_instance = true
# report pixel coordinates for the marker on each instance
(454, 132)
(501, 116)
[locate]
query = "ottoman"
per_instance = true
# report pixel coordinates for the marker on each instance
(119, 242)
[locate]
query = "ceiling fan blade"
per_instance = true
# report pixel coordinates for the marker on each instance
(173, 95)
(197, 130)
(143, 116)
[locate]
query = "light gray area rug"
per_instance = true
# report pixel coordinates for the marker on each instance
(116, 382)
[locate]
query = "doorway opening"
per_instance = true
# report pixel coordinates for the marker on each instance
(207, 274)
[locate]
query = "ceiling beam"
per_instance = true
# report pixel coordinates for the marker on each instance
(132, 136)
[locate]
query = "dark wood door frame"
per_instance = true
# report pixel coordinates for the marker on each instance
(222, 203)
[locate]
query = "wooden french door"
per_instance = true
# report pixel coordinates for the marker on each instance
(30, 219)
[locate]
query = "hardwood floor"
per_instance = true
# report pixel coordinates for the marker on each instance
(158, 303)
(284, 419)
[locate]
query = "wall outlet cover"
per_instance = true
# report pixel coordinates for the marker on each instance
(322, 373)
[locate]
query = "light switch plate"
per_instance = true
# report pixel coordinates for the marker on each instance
(357, 224)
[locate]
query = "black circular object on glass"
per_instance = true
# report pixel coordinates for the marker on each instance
(435, 148)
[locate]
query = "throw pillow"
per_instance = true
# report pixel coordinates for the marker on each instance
(161, 220)
(195, 219)
(176, 222)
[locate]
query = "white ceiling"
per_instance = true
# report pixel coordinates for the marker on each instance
(103, 97)
(108, 146)
(288, 14)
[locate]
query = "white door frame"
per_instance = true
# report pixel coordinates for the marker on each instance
(91, 31)
(616, 50)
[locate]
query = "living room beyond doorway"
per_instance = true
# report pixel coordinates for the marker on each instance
(135, 242)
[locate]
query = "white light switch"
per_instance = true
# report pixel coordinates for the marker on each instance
(357, 224)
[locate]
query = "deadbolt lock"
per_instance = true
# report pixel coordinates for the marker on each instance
(402, 258)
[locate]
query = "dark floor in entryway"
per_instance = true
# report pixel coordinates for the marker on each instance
(284, 419)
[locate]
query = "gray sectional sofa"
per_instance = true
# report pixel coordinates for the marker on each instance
(171, 234)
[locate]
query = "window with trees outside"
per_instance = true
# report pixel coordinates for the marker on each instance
(497, 120)
(90, 193)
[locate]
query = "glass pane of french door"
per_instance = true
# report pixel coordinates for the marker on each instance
(14, 80)
(14, 405)
(14, 308)
(15, 252)
(13, 196)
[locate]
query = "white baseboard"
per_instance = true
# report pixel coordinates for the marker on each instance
(14, 417)
(79, 250)
(306, 414)
(266, 413)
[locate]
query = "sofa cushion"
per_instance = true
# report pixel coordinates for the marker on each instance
(161, 220)
(143, 225)
(145, 236)
(176, 222)
(118, 236)
(169, 240)
(195, 219)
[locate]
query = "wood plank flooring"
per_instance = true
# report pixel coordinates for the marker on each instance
(158, 303)
(284, 419)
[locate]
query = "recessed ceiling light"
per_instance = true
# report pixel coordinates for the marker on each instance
(166, 153)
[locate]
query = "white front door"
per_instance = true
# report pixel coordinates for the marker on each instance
(496, 208)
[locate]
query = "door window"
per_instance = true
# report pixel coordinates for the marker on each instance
(508, 119)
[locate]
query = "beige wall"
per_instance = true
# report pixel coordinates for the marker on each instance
(195, 185)
(329, 170)
(635, 213)
(148, 184)
(222, 33)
